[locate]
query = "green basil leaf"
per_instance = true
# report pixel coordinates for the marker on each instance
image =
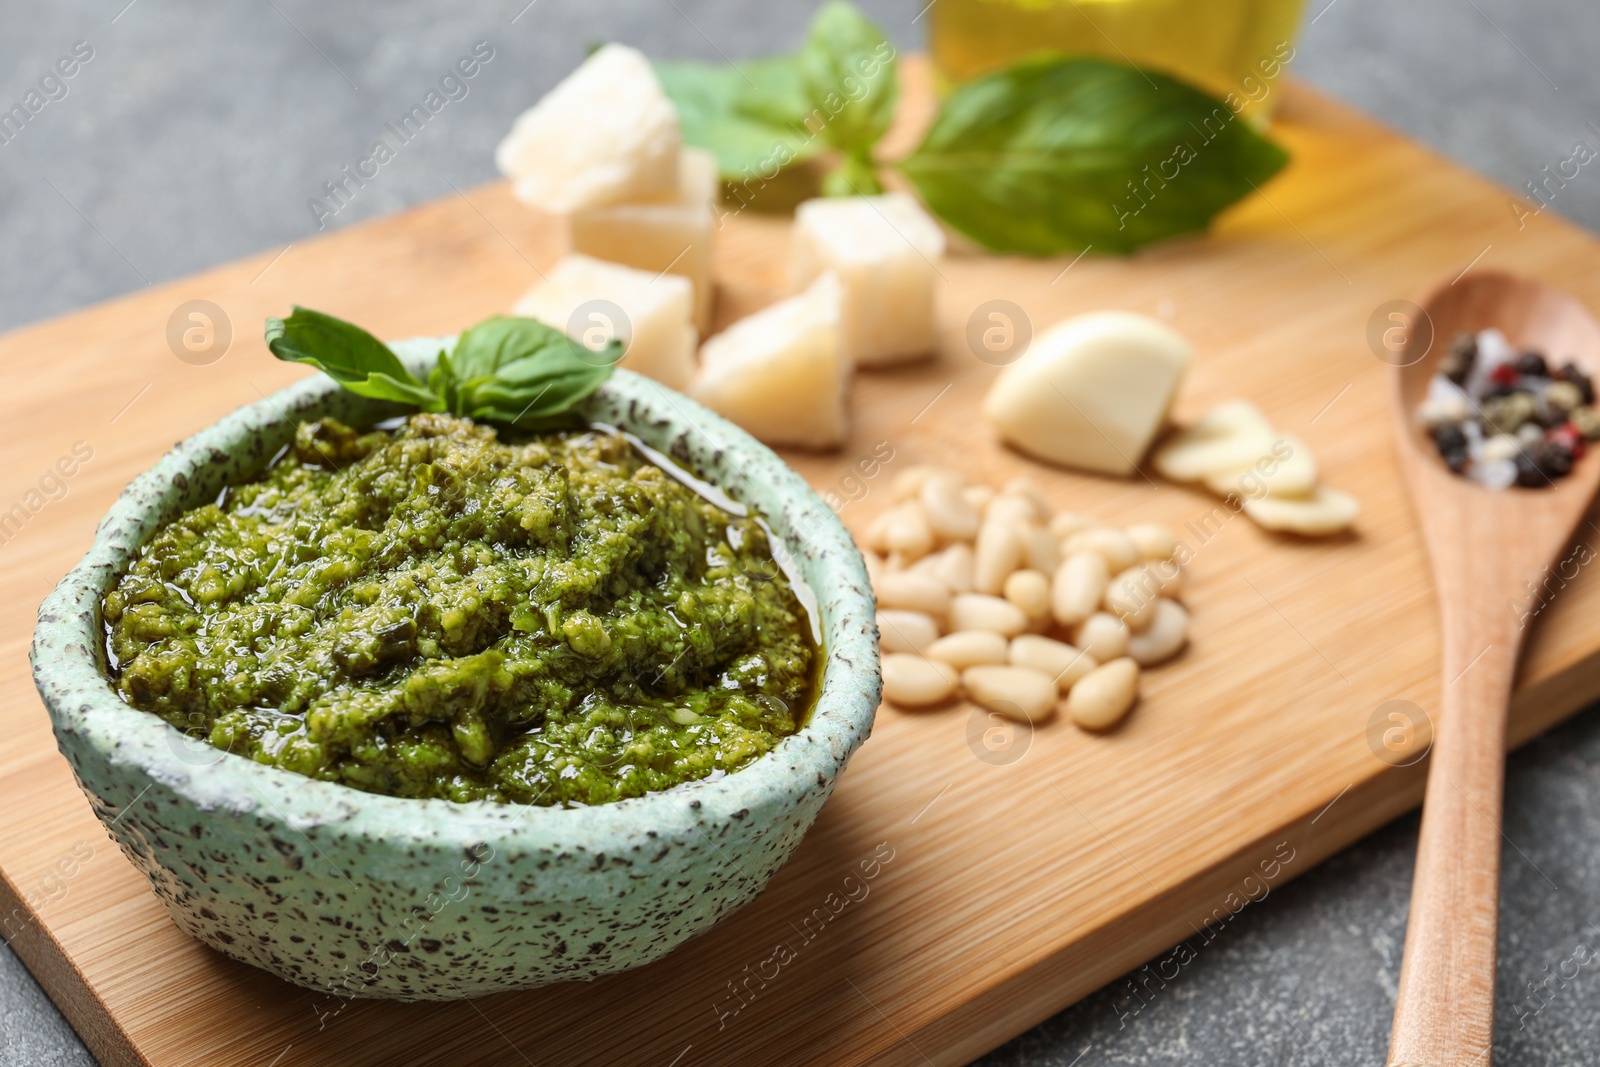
(849, 70)
(751, 116)
(482, 350)
(348, 354)
(512, 370)
(1058, 155)
(534, 387)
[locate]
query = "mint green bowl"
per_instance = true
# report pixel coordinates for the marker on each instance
(363, 895)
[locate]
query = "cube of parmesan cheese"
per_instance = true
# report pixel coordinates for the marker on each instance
(606, 134)
(884, 250)
(671, 233)
(594, 302)
(781, 373)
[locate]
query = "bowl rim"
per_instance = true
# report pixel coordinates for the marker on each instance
(66, 651)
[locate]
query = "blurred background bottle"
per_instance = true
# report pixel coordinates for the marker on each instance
(1212, 44)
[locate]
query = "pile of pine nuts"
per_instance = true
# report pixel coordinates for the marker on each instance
(972, 584)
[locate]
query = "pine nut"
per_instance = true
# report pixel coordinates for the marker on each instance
(1030, 591)
(1064, 524)
(954, 567)
(1132, 596)
(907, 485)
(876, 536)
(1116, 546)
(906, 631)
(1103, 636)
(914, 682)
(979, 497)
(914, 592)
(1024, 488)
(1153, 540)
(969, 648)
(908, 533)
(997, 553)
(1015, 692)
(977, 611)
(949, 514)
(1012, 510)
(1040, 551)
(876, 567)
(1103, 696)
(1057, 659)
(1168, 575)
(1165, 636)
(1079, 585)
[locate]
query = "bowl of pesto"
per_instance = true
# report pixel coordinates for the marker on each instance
(404, 705)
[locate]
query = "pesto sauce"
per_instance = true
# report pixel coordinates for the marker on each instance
(429, 611)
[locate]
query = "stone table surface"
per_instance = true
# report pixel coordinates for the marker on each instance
(198, 131)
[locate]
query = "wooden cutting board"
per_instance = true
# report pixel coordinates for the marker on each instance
(1014, 874)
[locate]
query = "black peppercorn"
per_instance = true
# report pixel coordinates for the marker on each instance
(1448, 437)
(1529, 476)
(1456, 461)
(1554, 458)
(1532, 363)
(1551, 417)
(1542, 463)
(1458, 361)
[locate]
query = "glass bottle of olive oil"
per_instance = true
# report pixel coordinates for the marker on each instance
(1221, 46)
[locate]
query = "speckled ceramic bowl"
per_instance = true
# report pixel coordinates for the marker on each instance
(365, 895)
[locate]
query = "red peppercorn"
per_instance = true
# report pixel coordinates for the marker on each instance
(1567, 436)
(1504, 374)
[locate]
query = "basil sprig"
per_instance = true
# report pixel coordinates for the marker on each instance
(760, 116)
(751, 117)
(848, 68)
(1055, 154)
(515, 371)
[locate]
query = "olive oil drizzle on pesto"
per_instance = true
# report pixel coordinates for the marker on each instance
(423, 610)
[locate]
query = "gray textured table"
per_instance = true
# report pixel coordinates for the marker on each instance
(197, 132)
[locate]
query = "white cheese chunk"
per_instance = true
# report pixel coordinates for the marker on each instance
(594, 302)
(672, 233)
(782, 373)
(1090, 392)
(885, 251)
(606, 134)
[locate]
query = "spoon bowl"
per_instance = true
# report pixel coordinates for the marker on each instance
(1491, 552)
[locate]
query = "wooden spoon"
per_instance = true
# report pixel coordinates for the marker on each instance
(1485, 546)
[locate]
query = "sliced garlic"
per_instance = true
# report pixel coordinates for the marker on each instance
(1324, 512)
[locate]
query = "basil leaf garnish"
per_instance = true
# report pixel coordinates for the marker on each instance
(535, 382)
(510, 370)
(1059, 154)
(349, 355)
(498, 340)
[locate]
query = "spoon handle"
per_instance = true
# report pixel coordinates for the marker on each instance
(1444, 1011)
